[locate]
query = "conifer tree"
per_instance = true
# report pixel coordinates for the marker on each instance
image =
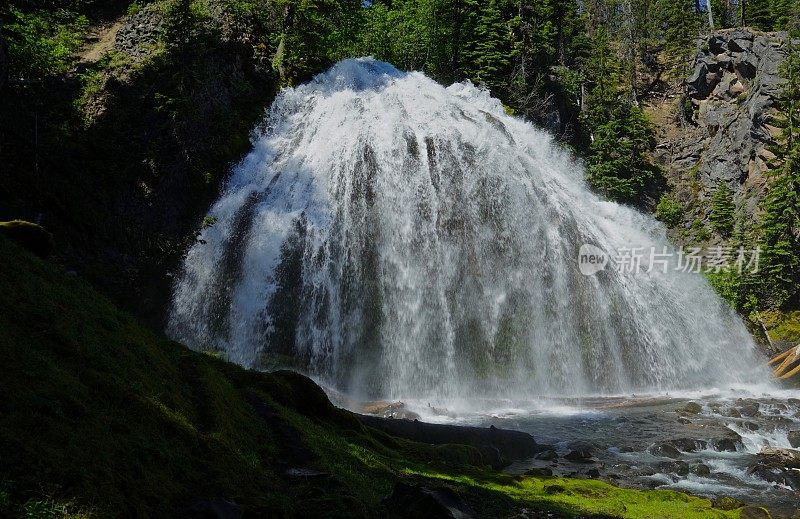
(723, 210)
(781, 222)
(488, 53)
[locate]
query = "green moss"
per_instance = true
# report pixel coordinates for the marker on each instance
(782, 326)
(101, 415)
(576, 496)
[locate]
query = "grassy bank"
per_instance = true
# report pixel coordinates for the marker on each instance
(104, 418)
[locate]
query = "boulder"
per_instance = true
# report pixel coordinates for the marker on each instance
(580, 456)
(664, 450)
(749, 408)
(593, 473)
(688, 444)
(724, 445)
(692, 408)
(754, 512)
(680, 468)
(726, 503)
(697, 86)
(740, 44)
(547, 455)
(717, 44)
(746, 65)
(779, 466)
(431, 502)
(794, 439)
(702, 470)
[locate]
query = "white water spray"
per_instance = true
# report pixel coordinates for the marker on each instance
(401, 239)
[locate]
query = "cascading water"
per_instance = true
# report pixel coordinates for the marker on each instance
(398, 238)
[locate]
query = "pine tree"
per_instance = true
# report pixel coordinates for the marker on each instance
(759, 15)
(781, 222)
(723, 210)
(619, 165)
(488, 55)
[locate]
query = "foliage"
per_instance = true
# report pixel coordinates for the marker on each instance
(619, 164)
(669, 210)
(41, 43)
(723, 210)
(100, 415)
(780, 225)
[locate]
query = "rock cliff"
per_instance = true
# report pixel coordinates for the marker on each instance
(724, 127)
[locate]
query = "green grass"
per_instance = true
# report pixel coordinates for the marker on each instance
(101, 417)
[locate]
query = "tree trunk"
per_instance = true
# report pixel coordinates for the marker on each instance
(3, 59)
(710, 16)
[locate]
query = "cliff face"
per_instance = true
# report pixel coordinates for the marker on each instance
(727, 126)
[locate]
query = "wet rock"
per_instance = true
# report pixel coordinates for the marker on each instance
(732, 413)
(539, 472)
(702, 470)
(665, 450)
(684, 421)
(724, 445)
(420, 501)
(593, 473)
(692, 408)
(680, 468)
(779, 420)
(580, 456)
(396, 410)
(749, 409)
(726, 503)
(688, 444)
(491, 456)
(778, 466)
(548, 455)
(751, 426)
(793, 401)
(754, 512)
(794, 439)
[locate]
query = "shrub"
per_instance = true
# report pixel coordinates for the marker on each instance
(41, 43)
(722, 210)
(669, 210)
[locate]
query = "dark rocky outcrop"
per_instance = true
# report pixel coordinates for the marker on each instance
(794, 439)
(580, 456)
(420, 501)
(780, 466)
(510, 444)
(729, 100)
(29, 235)
(665, 450)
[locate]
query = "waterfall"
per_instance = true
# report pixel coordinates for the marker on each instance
(397, 238)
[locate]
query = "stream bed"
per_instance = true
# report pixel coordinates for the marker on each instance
(709, 444)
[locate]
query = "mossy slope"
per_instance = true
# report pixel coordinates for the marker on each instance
(101, 417)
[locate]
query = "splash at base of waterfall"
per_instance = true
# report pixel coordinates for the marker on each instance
(394, 237)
